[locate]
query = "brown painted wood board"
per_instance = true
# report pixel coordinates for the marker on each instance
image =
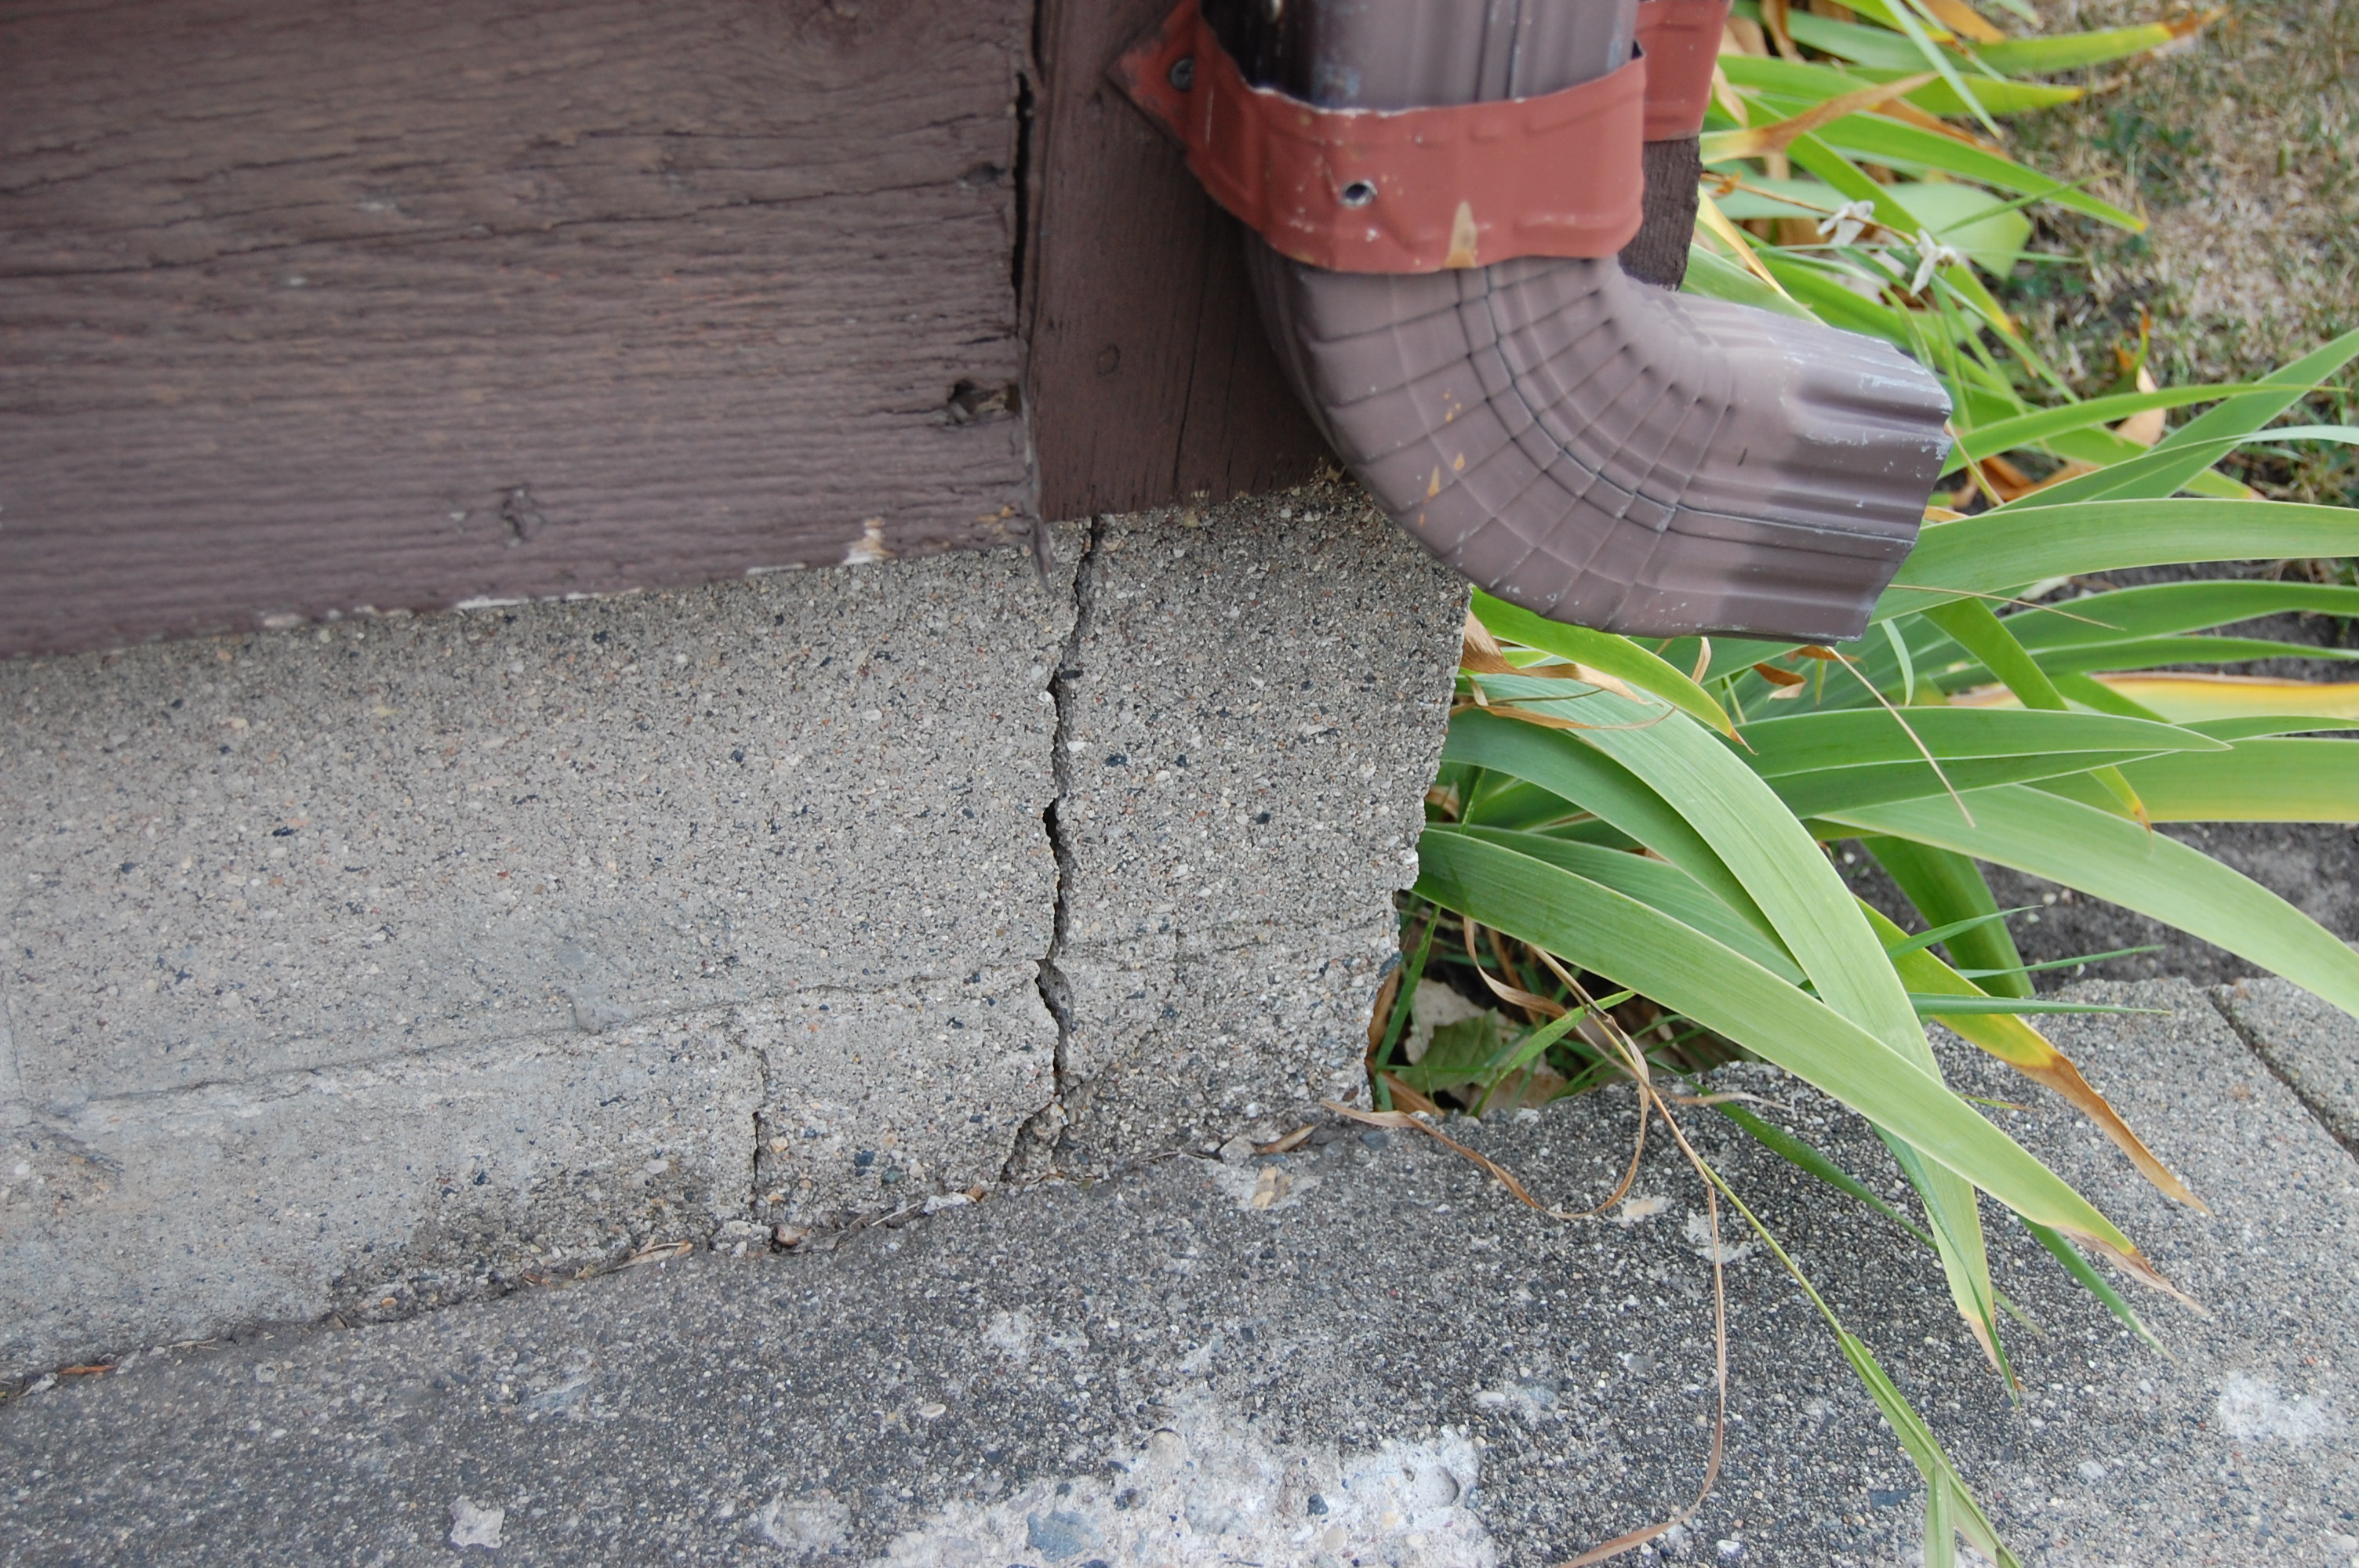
(308, 308)
(1149, 377)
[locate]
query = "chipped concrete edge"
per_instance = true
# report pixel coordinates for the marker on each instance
(2334, 1119)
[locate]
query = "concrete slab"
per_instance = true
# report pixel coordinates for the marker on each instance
(237, 856)
(1360, 1352)
(1253, 708)
(2314, 1047)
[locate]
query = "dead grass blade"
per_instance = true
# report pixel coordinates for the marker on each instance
(1907, 113)
(1515, 996)
(1402, 1095)
(1965, 21)
(1650, 1104)
(2057, 1071)
(1756, 141)
(1478, 652)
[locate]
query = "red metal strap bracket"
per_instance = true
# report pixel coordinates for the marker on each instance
(1680, 39)
(1401, 190)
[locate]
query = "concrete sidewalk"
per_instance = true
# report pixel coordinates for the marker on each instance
(1360, 1352)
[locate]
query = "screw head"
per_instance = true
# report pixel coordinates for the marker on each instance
(1359, 193)
(1182, 75)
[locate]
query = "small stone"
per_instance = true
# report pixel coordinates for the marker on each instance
(1376, 1138)
(1730, 1550)
(474, 1525)
(934, 1409)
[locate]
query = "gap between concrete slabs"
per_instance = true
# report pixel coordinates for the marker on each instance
(2311, 1045)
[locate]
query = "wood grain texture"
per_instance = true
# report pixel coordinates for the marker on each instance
(306, 307)
(1150, 379)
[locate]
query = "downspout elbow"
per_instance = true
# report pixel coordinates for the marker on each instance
(1611, 454)
(1595, 448)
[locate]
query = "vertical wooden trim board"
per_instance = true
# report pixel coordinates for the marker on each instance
(1150, 379)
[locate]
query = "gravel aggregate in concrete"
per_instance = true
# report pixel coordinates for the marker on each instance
(1253, 708)
(246, 855)
(1359, 1352)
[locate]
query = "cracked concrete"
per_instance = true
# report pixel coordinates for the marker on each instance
(1249, 720)
(1033, 1152)
(379, 965)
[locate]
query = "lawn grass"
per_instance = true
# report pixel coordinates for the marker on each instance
(2237, 147)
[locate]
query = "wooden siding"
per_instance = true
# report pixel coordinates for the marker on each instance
(311, 308)
(306, 307)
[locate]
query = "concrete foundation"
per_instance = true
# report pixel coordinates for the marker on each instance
(364, 966)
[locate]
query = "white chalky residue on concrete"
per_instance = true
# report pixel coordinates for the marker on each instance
(474, 1525)
(2249, 1407)
(1010, 1334)
(1698, 1231)
(1533, 1398)
(805, 1527)
(1205, 1489)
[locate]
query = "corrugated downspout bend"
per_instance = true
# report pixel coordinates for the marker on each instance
(1594, 448)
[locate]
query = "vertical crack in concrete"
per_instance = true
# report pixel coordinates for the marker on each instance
(14, 1109)
(2320, 1112)
(737, 1040)
(1035, 1139)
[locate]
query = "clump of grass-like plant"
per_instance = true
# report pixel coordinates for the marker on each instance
(1627, 851)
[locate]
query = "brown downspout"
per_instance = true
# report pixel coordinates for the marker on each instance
(1594, 449)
